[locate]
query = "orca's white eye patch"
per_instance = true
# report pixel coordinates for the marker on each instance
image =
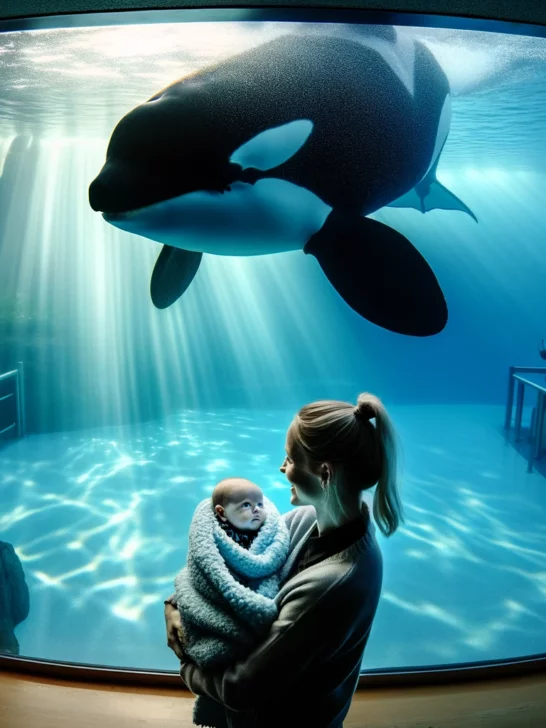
(273, 147)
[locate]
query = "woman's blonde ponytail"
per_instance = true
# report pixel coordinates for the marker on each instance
(387, 507)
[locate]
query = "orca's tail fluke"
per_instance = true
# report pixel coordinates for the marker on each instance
(380, 275)
(174, 270)
(429, 194)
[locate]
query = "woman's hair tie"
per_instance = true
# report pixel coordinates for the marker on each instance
(364, 411)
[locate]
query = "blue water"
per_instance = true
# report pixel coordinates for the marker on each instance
(133, 414)
(101, 519)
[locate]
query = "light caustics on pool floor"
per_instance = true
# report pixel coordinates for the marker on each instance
(100, 521)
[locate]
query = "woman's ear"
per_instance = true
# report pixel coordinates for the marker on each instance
(326, 473)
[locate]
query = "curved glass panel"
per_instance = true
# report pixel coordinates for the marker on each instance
(118, 416)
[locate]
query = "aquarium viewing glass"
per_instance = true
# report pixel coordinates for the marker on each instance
(122, 403)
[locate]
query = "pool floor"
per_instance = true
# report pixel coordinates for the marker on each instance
(100, 519)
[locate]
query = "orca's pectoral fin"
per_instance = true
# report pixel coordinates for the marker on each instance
(428, 195)
(174, 270)
(379, 273)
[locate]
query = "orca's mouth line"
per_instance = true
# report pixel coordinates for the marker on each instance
(128, 214)
(119, 216)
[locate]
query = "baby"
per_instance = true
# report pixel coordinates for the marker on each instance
(238, 546)
(239, 507)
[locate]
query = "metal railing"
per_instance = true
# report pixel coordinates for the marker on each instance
(17, 428)
(516, 375)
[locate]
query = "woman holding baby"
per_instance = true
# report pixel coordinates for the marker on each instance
(272, 614)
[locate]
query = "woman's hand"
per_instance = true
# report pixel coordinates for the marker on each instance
(175, 633)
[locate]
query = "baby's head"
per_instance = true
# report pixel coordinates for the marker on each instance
(240, 502)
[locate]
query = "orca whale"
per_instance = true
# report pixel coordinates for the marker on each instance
(289, 146)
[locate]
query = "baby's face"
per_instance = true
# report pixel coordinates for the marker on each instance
(245, 509)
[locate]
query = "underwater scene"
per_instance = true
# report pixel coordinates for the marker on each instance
(205, 226)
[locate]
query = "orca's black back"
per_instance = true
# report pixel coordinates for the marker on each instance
(372, 140)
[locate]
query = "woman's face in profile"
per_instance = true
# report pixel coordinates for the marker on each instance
(304, 484)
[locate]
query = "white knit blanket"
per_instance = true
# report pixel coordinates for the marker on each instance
(222, 619)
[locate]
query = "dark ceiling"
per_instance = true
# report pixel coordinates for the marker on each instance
(522, 11)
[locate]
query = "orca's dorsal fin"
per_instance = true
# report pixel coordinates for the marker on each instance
(273, 147)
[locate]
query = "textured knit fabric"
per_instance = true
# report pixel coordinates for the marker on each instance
(226, 592)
